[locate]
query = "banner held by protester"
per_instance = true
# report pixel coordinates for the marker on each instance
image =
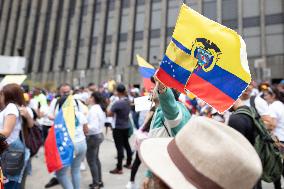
(207, 59)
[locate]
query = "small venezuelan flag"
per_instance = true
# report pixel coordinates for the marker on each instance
(207, 59)
(146, 71)
(59, 147)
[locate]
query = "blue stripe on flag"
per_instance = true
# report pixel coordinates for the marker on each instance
(223, 80)
(175, 71)
(63, 141)
(179, 45)
(146, 72)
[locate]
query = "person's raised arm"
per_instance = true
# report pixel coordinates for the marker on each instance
(168, 102)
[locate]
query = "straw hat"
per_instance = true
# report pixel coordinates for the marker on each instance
(205, 154)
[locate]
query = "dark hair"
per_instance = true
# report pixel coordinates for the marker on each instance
(153, 79)
(90, 84)
(276, 92)
(99, 99)
(13, 94)
(64, 85)
(120, 88)
(176, 93)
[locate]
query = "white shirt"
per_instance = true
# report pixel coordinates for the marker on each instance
(96, 119)
(45, 121)
(11, 109)
(276, 110)
(79, 133)
(260, 105)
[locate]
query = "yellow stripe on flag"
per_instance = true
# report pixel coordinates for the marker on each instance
(191, 25)
(181, 58)
(68, 109)
(142, 62)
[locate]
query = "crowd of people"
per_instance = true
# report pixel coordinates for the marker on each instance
(199, 131)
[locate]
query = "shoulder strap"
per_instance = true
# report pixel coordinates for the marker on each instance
(251, 112)
(252, 104)
(77, 103)
(22, 131)
(166, 128)
(252, 101)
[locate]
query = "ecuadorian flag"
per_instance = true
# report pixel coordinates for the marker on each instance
(59, 147)
(207, 59)
(146, 71)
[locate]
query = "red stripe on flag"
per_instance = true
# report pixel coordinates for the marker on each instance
(52, 156)
(169, 81)
(148, 84)
(209, 93)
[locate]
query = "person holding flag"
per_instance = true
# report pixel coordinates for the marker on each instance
(169, 117)
(65, 146)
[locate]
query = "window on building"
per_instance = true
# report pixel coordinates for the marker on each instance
(45, 36)
(173, 9)
(140, 2)
(209, 9)
(273, 7)
(252, 38)
(122, 54)
(140, 18)
(111, 5)
(251, 21)
(251, 8)
(124, 20)
(138, 49)
(107, 54)
(230, 13)
(274, 19)
(274, 39)
(122, 57)
(95, 35)
(154, 53)
(192, 4)
(156, 15)
(55, 41)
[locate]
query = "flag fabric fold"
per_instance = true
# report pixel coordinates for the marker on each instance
(207, 59)
(146, 71)
(59, 147)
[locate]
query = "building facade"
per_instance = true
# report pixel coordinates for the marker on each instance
(82, 41)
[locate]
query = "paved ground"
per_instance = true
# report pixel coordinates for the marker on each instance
(40, 175)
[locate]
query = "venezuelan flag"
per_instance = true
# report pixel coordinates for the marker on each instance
(176, 66)
(59, 148)
(146, 71)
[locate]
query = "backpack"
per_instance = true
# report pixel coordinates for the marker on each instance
(33, 137)
(265, 146)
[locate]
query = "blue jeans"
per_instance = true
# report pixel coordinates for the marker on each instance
(80, 151)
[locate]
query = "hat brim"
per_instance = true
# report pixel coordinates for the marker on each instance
(153, 152)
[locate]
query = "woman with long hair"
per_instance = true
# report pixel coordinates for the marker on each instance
(276, 109)
(13, 108)
(96, 121)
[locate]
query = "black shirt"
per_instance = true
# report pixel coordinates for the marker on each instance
(244, 124)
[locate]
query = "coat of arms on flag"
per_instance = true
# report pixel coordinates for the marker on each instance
(207, 59)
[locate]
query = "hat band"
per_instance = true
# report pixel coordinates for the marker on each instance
(188, 170)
